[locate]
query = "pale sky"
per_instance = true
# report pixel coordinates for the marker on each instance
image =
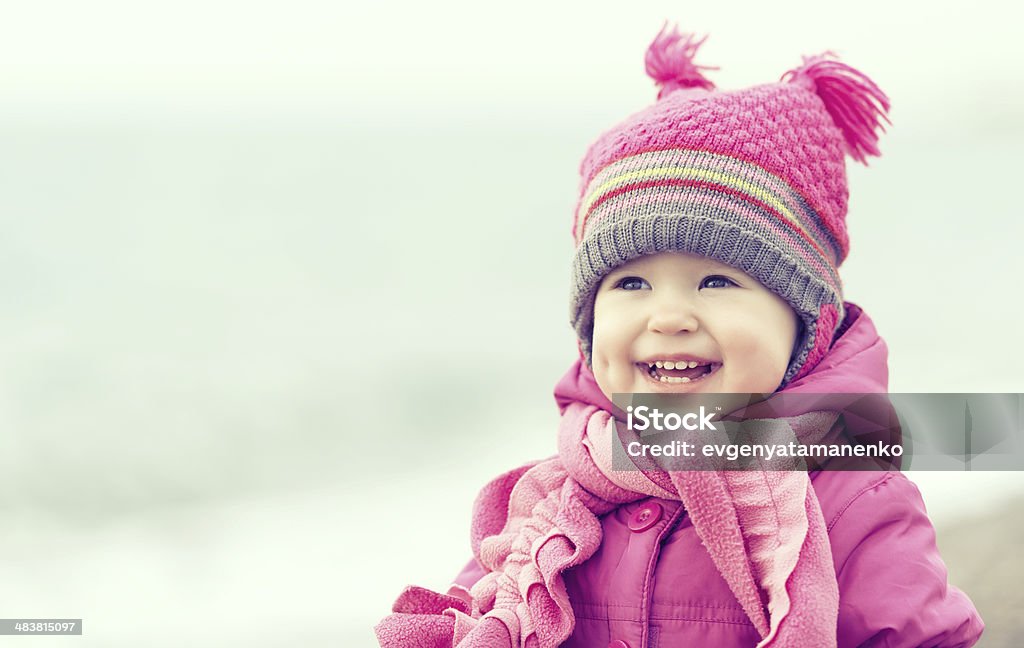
(456, 58)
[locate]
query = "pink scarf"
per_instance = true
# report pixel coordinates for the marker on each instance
(764, 531)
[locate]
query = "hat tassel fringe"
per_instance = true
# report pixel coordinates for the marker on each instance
(856, 104)
(669, 62)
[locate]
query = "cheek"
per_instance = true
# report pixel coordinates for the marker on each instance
(789, 327)
(748, 354)
(761, 347)
(610, 351)
(601, 367)
(770, 349)
(605, 352)
(609, 334)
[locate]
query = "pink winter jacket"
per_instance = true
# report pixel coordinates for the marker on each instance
(655, 586)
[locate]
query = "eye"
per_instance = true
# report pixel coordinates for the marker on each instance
(632, 283)
(717, 281)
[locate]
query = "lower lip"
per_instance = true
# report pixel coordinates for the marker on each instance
(678, 386)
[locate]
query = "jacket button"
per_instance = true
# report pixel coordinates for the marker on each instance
(644, 518)
(618, 643)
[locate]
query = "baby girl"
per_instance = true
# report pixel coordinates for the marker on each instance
(709, 232)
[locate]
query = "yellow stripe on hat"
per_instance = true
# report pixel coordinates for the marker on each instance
(690, 172)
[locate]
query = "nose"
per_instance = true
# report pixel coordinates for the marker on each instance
(672, 315)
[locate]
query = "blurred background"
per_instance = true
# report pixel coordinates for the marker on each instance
(284, 284)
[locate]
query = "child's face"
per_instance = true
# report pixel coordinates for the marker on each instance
(679, 307)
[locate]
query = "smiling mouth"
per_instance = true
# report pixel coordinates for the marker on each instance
(670, 373)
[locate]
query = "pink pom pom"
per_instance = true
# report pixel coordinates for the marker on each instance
(856, 104)
(670, 63)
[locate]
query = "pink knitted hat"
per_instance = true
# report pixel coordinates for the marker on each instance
(754, 178)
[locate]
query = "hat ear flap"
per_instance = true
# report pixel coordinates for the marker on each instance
(857, 106)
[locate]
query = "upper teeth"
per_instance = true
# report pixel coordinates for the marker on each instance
(674, 365)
